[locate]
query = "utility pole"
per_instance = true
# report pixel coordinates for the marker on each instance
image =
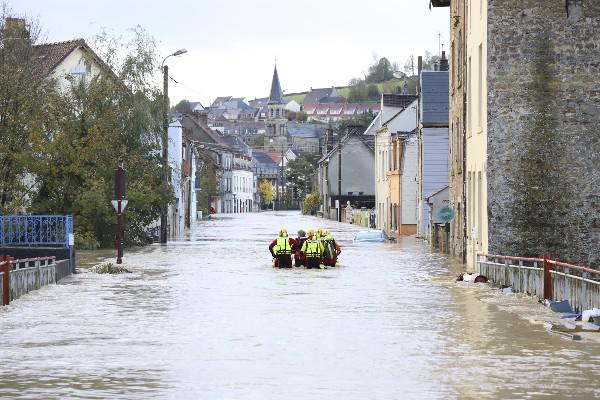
(165, 142)
(119, 204)
(282, 176)
(339, 177)
(165, 153)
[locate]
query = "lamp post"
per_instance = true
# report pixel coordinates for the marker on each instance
(165, 141)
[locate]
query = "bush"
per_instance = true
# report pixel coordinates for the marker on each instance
(311, 203)
(86, 241)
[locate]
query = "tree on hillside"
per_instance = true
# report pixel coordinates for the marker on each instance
(373, 92)
(380, 71)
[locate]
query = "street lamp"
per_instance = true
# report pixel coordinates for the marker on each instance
(165, 141)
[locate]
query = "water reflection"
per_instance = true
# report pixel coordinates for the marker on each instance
(207, 317)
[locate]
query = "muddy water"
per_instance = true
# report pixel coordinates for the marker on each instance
(206, 317)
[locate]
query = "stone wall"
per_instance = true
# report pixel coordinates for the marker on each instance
(457, 129)
(544, 128)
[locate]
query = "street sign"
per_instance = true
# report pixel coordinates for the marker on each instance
(115, 204)
(446, 214)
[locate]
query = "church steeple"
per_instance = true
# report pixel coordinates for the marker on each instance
(276, 135)
(276, 96)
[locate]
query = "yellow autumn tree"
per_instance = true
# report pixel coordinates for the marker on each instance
(265, 189)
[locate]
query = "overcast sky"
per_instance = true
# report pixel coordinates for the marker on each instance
(232, 44)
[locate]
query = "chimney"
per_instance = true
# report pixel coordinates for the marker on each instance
(443, 62)
(200, 116)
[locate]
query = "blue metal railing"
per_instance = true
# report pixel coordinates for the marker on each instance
(38, 231)
(35, 230)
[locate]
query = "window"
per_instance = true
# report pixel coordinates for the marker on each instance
(469, 101)
(479, 205)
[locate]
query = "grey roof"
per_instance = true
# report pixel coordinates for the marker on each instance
(367, 140)
(259, 102)
(315, 95)
(398, 100)
(263, 158)
(276, 96)
(234, 104)
(236, 144)
(434, 98)
(306, 130)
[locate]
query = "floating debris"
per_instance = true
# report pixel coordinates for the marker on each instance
(109, 268)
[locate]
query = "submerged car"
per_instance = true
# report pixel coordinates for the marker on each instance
(370, 236)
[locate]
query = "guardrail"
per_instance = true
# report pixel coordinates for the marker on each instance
(24, 275)
(544, 278)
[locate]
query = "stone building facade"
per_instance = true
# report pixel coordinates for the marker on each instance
(543, 113)
(457, 129)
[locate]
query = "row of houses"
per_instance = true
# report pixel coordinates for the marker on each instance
(498, 152)
(197, 152)
(397, 166)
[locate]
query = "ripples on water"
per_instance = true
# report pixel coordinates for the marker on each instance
(207, 317)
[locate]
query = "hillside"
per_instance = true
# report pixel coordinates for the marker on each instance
(384, 87)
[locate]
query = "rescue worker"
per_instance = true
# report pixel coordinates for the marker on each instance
(299, 259)
(312, 249)
(331, 249)
(281, 250)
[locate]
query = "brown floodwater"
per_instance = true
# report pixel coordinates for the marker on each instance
(206, 317)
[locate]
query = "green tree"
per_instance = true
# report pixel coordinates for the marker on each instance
(380, 71)
(259, 141)
(301, 172)
(208, 185)
(311, 203)
(301, 116)
(183, 106)
(23, 94)
(96, 121)
(373, 92)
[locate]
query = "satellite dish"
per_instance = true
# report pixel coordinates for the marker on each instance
(399, 75)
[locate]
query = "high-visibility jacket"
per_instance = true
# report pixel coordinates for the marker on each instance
(312, 248)
(283, 246)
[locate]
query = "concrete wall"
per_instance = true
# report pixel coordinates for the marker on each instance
(24, 280)
(543, 128)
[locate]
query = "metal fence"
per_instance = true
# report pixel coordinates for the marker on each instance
(35, 230)
(544, 278)
(38, 231)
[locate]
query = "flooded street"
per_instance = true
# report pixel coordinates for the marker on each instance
(207, 317)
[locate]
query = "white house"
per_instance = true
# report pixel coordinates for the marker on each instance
(293, 105)
(176, 209)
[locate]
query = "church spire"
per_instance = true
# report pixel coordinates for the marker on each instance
(276, 96)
